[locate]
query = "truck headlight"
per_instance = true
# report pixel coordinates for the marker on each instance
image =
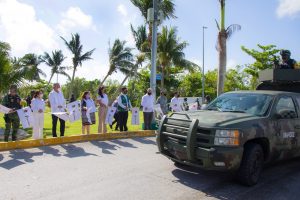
(227, 138)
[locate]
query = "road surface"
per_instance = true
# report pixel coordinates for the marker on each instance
(128, 169)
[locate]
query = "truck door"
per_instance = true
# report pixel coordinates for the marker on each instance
(287, 127)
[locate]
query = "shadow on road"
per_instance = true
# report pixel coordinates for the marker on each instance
(123, 143)
(50, 150)
(105, 147)
(75, 151)
(144, 140)
(279, 181)
(19, 157)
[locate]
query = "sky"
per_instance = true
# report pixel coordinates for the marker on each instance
(35, 26)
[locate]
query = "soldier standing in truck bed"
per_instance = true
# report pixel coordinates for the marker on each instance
(286, 61)
(12, 101)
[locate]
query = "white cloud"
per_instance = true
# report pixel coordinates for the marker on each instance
(74, 17)
(122, 10)
(288, 8)
(20, 27)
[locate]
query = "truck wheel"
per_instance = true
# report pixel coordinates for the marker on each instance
(251, 165)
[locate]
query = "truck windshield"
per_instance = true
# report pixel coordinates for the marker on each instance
(254, 104)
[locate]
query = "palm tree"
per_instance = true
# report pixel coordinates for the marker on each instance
(166, 6)
(140, 38)
(29, 64)
(54, 61)
(76, 48)
(223, 36)
(170, 52)
(119, 56)
(5, 65)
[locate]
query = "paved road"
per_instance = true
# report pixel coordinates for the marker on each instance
(128, 170)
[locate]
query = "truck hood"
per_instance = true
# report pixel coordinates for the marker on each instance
(209, 118)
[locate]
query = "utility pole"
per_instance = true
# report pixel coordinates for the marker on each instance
(154, 48)
(203, 75)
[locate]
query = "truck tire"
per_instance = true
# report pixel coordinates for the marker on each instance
(251, 165)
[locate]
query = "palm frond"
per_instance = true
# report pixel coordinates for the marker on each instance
(232, 29)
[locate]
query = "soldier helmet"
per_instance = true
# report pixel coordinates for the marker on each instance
(285, 53)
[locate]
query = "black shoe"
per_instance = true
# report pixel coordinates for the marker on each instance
(110, 126)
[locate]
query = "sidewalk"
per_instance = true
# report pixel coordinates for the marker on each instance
(24, 144)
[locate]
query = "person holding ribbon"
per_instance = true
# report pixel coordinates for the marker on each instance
(102, 100)
(88, 118)
(124, 105)
(58, 104)
(38, 109)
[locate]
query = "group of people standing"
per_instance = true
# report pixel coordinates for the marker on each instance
(57, 103)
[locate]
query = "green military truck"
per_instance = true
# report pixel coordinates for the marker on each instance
(239, 131)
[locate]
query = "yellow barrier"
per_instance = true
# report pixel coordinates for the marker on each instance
(24, 144)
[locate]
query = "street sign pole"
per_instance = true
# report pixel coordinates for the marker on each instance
(203, 74)
(154, 49)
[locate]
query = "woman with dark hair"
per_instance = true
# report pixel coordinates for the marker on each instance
(38, 109)
(87, 117)
(102, 100)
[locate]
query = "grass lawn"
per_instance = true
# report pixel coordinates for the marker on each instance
(75, 128)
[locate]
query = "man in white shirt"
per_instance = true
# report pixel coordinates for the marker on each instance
(57, 104)
(175, 103)
(124, 105)
(148, 108)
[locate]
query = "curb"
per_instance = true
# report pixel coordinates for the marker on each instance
(25, 144)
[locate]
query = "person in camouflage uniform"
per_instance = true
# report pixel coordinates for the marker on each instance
(12, 101)
(286, 61)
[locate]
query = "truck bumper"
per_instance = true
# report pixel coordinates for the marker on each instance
(184, 148)
(216, 158)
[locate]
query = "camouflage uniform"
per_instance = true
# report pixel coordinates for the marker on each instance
(11, 120)
(287, 62)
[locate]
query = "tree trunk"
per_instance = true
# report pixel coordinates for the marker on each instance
(50, 79)
(104, 79)
(113, 97)
(72, 82)
(222, 61)
(162, 81)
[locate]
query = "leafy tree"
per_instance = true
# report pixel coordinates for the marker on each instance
(79, 86)
(167, 7)
(76, 48)
(264, 59)
(236, 79)
(29, 64)
(170, 53)
(25, 89)
(5, 65)
(55, 61)
(191, 85)
(223, 36)
(211, 78)
(119, 56)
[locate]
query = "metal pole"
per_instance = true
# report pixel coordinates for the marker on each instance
(203, 75)
(154, 49)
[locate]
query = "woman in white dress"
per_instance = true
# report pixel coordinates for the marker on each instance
(38, 109)
(88, 118)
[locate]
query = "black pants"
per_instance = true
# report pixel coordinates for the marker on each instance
(54, 124)
(148, 116)
(122, 120)
(116, 121)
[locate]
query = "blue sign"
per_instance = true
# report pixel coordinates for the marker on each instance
(158, 77)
